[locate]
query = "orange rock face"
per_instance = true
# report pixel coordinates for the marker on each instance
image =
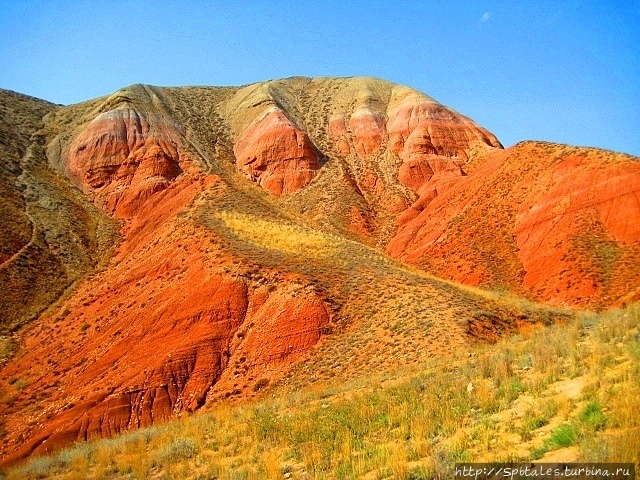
(368, 127)
(366, 131)
(430, 139)
(280, 327)
(121, 158)
(431, 142)
(557, 223)
(338, 133)
(586, 207)
(420, 125)
(276, 154)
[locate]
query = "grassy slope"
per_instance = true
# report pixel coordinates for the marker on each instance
(50, 235)
(26, 113)
(560, 393)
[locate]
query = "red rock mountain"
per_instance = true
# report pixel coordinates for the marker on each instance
(167, 247)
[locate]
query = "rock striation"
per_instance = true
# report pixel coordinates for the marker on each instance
(274, 153)
(554, 222)
(432, 140)
(122, 157)
(251, 224)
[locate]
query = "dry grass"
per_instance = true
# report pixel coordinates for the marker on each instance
(413, 425)
(275, 235)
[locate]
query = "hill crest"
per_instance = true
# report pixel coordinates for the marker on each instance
(191, 242)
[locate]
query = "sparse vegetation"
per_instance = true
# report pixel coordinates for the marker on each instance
(414, 424)
(396, 387)
(7, 348)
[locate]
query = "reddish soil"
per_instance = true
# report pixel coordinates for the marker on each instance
(122, 157)
(557, 223)
(149, 337)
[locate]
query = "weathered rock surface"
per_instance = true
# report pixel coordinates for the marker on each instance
(337, 129)
(431, 140)
(276, 154)
(122, 157)
(152, 336)
(219, 287)
(368, 127)
(420, 125)
(366, 131)
(401, 138)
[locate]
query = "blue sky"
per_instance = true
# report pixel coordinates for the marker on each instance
(563, 71)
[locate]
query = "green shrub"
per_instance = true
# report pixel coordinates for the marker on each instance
(593, 416)
(563, 436)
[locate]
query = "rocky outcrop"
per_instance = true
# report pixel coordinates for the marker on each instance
(366, 131)
(394, 135)
(147, 365)
(337, 129)
(579, 234)
(419, 125)
(273, 152)
(431, 140)
(368, 127)
(281, 326)
(122, 157)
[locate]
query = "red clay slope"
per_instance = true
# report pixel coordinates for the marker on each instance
(148, 337)
(558, 223)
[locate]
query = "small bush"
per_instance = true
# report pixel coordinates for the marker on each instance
(18, 383)
(563, 436)
(178, 449)
(68, 456)
(593, 416)
(38, 467)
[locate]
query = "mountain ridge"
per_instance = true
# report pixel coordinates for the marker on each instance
(212, 237)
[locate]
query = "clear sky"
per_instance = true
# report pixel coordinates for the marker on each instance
(563, 71)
